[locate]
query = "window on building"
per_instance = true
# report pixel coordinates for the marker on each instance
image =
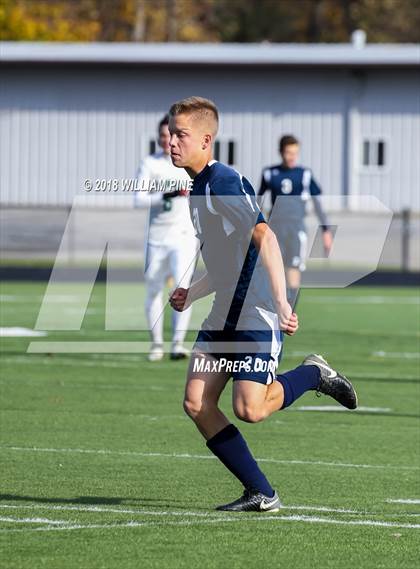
(374, 153)
(152, 146)
(217, 150)
(231, 152)
(225, 151)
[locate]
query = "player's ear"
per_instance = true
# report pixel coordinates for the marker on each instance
(206, 142)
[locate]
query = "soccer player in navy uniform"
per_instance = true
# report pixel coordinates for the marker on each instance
(294, 185)
(242, 336)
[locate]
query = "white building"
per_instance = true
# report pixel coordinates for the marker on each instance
(71, 112)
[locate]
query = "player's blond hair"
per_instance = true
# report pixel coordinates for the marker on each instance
(203, 109)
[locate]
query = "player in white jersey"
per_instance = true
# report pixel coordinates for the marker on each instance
(171, 245)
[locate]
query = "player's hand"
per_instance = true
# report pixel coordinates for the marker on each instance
(179, 299)
(292, 325)
(327, 239)
(288, 320)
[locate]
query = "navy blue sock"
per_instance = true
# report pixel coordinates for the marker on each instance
(231, 449)
(297, 381)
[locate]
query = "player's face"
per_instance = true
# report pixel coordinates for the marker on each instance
(164, 138)
(290, 155)
(185, 141)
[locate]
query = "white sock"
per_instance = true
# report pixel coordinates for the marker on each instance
(180, 321)
(154, 314)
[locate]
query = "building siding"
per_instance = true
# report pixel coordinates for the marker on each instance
(61, 125)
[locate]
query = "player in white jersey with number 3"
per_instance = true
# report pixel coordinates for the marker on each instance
(172, 247)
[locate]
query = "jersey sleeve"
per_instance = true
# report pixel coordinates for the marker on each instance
(320, 213)
(265, 178)
(314, 187)
(234, 199)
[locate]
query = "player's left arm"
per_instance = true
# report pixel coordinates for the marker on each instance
(327, 236)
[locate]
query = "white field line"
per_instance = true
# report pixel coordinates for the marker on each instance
(106, 509)
(404, 501)
(341, 299)
(396, 355)
(205, 457)
(186, 513)
(110, 386)
(335, 408)
(84, 363)
(69, 362)
(128, 387)
(365, 299)
(313, 519)
(239, 518)
(375, 375)
(52, 298)
(138, 511)
(31, 520)
(19, 332)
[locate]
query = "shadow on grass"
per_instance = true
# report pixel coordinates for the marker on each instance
(97, 500)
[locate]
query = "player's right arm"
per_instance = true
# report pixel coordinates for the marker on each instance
(182, 298)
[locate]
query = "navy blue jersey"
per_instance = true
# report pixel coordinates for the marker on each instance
(224, 212)
(297, 184)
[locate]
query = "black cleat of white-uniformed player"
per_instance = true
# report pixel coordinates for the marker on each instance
(178, 352)
(332, 382)
(253, 502)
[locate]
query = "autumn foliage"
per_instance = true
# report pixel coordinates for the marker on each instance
(209, 20)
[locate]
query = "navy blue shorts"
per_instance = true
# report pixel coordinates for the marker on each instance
(246, 355)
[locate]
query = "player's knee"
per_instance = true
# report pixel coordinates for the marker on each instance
(153, 292)
(197, 409)
(248, 413)
(194, 408)
(191, 407)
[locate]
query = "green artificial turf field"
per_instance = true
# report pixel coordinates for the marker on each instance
(101, 469)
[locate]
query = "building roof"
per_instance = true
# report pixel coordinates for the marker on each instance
(212, 54)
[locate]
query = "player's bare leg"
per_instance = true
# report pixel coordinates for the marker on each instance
(253, 402)
(202, 394)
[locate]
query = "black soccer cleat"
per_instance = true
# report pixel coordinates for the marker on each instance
(332, 382)
(253, 502)
(178, 352)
